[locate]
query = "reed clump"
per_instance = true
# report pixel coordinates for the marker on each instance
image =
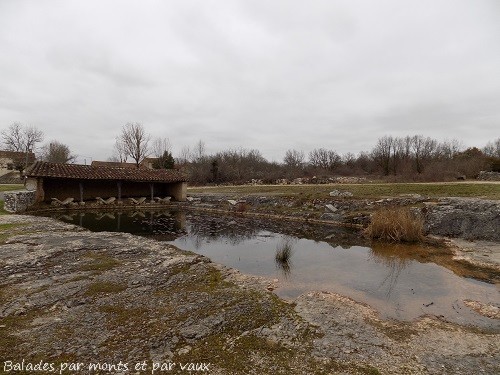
(396, 224)
(283, 256)
(283, 252)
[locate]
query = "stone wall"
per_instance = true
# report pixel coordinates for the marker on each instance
(18, 201)
(488, 176)
(468, 218)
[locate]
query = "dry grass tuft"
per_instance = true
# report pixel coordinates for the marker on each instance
(396, 224)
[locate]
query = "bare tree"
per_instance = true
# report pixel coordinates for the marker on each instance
(325, 159)
(382, 153)
(32, 136)
(319, 158)
(199, 151)
(162, 151)
(423, 150)
(56, 152)
(398, 151)
(21, 139)
(334, 160)
(134, 141)
(492, 149)
(184, 156)
(349, 159)
(13, 137)
(406, 144)
(449, 149)
(160, 146)
(119, 154)
(294, 159)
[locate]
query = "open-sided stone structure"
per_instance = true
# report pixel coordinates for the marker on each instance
(86, 182)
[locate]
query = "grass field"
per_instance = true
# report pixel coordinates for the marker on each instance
(2, 211)
(10, 187)
(485, 190)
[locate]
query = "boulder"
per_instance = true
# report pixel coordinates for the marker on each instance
(468, 218)
(488, 176)
(338, 193)
(331, 208)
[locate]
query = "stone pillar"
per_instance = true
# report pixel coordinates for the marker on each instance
(36, 185)
(179, 191)
(80, 185)
(119, 185)
(40, 190)
(152, 188)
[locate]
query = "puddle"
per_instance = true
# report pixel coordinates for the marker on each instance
(390, 278)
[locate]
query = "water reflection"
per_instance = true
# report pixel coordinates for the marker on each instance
(136, 213)
(394, 279)
(283, 255)
(156, 223)
(108, 215)
(395, 259)
(204, 228)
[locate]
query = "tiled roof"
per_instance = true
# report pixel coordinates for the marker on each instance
(89, 172)
(113, 164)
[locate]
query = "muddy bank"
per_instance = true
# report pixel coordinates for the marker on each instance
(68, 295)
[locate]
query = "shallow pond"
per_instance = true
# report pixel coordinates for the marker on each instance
(390, 278)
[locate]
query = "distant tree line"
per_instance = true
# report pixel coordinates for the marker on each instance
(234, 166)
(409, 158)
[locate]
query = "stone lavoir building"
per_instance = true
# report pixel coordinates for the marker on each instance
(86, 182)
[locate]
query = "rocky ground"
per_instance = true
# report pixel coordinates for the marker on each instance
(469, 218)
(75, 301)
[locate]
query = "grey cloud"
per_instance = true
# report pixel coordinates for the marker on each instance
(270, 75)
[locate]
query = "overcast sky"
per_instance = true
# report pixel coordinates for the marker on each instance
(265, 74)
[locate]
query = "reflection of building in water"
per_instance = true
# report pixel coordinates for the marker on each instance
(180, 220)
(158, 222)
(203, 227)
(164, 222)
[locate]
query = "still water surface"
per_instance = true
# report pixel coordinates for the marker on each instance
(387, 277)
